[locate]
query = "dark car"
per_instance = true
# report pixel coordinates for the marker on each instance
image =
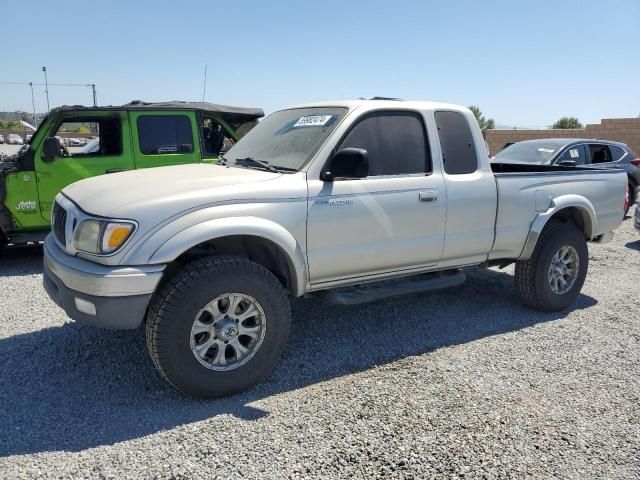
(571, 152)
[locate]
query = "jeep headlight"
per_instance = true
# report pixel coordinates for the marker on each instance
(102, 237)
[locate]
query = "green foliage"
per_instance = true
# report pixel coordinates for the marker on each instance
(485, 123)
(81, 129)
(11, 125)
(567, 122)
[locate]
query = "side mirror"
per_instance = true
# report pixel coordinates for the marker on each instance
(51, 149)
(568, 163)
(348, 163)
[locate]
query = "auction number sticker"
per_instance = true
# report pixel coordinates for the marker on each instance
(574, 153)
(313, 121)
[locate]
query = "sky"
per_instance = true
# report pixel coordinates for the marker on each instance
(524, 63)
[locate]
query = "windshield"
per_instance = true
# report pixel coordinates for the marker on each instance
(285, 140)
(539, 152)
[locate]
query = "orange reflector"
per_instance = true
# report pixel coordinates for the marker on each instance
(118, 235)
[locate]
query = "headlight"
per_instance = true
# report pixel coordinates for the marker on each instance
(101, 237)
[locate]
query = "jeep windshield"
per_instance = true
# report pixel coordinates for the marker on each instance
(285, 140)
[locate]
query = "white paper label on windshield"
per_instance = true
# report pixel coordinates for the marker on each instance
(574, 153)
(545, 150)
(313, 121)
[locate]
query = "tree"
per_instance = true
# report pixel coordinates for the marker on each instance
(567, 122)
(485, 123)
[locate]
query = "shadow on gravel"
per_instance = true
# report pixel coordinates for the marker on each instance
(21, 260)
(75, 387)
(633, 245)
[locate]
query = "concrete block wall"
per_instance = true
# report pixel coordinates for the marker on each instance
(625, 130)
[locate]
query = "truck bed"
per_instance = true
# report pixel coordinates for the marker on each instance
(600, 192)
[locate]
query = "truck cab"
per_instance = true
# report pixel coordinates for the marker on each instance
(73, 143)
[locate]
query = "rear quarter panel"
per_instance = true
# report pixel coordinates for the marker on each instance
(524, 196)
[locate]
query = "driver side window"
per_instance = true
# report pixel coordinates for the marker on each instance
(575, 153)
(395, 143)
(90, 137)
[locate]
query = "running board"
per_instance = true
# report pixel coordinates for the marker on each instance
(369, 292)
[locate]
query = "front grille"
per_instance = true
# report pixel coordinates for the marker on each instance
(59, 219)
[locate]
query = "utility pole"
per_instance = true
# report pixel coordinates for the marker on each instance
(33, 104)
(95, 99)
(204, 85)
(46, 87)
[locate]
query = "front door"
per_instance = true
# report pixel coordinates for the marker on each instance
(392, 220)
(91, 145)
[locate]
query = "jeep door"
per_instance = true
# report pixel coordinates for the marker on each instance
(392, 220)
(163, 138)
(106, 149)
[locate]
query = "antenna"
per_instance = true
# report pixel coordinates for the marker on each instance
(204, 85)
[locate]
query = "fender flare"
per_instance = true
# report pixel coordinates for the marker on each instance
(582, 204)
(249, 226)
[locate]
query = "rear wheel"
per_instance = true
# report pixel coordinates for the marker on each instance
(553, 277)
(218, 326)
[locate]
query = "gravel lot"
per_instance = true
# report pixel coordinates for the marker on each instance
(466, 383)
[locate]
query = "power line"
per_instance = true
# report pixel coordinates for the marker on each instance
(92, 86)
(51, 84)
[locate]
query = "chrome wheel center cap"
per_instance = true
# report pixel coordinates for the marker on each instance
(227, 329)
(230, 332)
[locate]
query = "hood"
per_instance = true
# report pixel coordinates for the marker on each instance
(169, 190)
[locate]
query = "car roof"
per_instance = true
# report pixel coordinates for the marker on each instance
(570, 141)
(226, 111)
(385, 103)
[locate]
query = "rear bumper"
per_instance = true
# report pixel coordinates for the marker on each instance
(109, 297)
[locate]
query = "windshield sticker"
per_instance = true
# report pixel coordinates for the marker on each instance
(546, 150)
(312, 121)
(574, 153)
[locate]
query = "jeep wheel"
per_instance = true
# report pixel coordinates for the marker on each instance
(218, 326)
(553, 277)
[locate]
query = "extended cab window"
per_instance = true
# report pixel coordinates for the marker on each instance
(395, 142)
(90, 137)
(158, 134)
(456, 141)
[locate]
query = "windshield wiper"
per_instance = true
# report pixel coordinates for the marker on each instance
(262, 163)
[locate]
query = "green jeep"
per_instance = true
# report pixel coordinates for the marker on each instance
(136, 135)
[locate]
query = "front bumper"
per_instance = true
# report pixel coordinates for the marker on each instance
(109, 297)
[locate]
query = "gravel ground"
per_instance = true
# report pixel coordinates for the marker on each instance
(465, 383)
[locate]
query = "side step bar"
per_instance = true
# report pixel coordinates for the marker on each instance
(369, 292)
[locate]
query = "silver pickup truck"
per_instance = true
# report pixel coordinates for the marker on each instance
(358, 199)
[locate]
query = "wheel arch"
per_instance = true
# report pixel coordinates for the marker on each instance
(572, 209)
(259, 240)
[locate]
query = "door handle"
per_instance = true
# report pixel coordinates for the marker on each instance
(116, 170)
(429, 196)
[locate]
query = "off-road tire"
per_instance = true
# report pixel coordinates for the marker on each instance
(174, 308)
(532, 276)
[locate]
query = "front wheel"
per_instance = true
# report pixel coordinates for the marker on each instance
(553, 277)
(218, 326)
